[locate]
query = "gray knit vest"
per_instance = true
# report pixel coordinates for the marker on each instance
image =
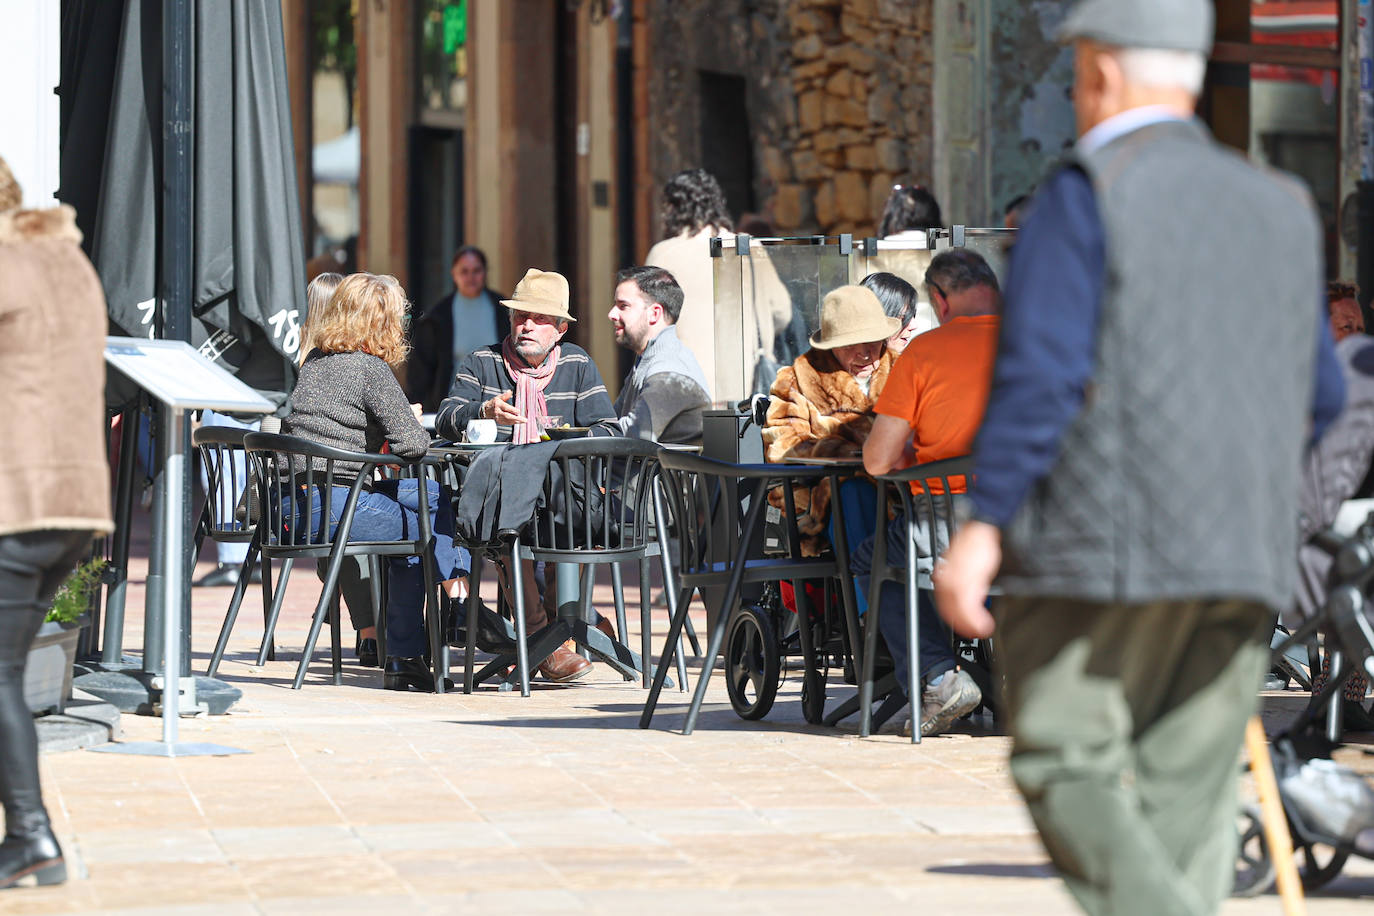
(1178, 478)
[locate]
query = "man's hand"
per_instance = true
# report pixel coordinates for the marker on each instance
(418, 410)
(499, 409)
(964, 575)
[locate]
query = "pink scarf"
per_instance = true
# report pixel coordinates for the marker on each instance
(529, 390)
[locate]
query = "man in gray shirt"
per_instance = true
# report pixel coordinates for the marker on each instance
(666, 391)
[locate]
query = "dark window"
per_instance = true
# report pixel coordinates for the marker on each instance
(727, 150)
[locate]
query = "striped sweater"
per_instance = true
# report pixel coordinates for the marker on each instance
(576, 392)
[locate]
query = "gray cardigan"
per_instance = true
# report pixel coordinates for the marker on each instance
(353, 401)
(664, 394)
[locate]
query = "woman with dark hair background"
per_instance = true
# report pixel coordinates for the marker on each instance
(910, 209)
(899, 300)
(909, 212)
(694, 212)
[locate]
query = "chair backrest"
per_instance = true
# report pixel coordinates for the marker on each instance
(933, 503)
(707, 507)
(227, 515)
(296, 480)
(597, 497)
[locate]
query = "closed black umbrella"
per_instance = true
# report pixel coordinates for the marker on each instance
(247, 263)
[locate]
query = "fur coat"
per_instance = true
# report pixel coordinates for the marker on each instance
(818, 410)
(52, 371)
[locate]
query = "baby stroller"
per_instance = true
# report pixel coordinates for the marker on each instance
(1329, 808)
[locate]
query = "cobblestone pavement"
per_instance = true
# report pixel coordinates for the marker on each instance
(357, 799)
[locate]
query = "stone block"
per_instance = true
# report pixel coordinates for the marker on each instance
(806, 165)
(896, 12)
(776, 166)
(804, 73)
(807, 21)
(811, 111)
(841, 83)
(879, 189)
(881, 106)
(855, 58)
(832, 159)
(851, 196)
(860, 158)
(825, 141)
(890, 153)
(845, 112)
(792, 207)
(825, 205)
(808, 47)
(848, 136)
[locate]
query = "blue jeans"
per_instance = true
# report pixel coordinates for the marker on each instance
(858, 500)
(935, 655)
(389, 511)
(231, 488)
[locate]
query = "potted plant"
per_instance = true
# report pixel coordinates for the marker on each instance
(48, 673)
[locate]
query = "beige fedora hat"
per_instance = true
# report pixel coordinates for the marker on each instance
(852, 315)
(542, 292)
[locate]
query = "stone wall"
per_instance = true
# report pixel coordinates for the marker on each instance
(838, 95)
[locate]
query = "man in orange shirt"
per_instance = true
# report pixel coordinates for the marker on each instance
(931, 410)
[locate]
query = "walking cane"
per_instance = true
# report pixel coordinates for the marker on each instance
(1274, 821)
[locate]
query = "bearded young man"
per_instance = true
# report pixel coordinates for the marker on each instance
(665, 393)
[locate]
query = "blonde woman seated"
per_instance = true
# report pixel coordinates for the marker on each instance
(348, 397)
(822, 407)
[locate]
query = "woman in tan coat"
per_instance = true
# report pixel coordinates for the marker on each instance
(822, 407)
(54, 486)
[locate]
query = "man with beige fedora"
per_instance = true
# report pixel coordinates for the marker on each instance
(929, 411)
(529, 376)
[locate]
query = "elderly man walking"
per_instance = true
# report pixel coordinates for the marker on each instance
(1137, 468)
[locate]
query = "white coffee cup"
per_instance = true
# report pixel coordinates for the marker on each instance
(481, 432)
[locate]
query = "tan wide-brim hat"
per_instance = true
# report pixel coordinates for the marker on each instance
(542, 292)
(852, 315)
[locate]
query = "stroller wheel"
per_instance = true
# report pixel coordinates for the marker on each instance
(1317, 862)
(751, 663)
(1254, 866)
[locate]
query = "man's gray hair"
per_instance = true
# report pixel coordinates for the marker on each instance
(959, 269)
(1162, 68)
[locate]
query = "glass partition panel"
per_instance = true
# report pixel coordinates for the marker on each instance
(992, 244)
(768, 295)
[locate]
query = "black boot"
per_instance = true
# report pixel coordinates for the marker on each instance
(34, 853)
(489, 638)
(366, 650)
(403, 673)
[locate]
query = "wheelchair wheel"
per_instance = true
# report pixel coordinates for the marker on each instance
(1254, 866)
(1318, 863)
(751, 664)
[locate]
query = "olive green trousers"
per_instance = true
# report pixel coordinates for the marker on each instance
(1127, 721)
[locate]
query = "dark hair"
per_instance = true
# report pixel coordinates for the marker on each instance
(658, 285)
(1337, 290)
(693, 200)
(467, 250)
(897, 296)
(959, 269)
(909, 207)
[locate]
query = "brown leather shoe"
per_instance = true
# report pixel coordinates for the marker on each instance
(604, 625)
(564, 665)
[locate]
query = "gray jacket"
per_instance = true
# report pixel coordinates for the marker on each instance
(1178, 478)
(664, 394)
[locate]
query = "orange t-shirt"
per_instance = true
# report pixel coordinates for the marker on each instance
(939, 386)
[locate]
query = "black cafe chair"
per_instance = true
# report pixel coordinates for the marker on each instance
(596, 509)
(715, 550)
(228, 517)
(290, 486)
(931, 511)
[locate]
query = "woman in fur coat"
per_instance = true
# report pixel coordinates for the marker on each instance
(822, 406)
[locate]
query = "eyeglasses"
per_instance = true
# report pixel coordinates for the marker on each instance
(935, 286)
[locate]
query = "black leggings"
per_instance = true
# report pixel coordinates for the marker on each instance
(32, 566)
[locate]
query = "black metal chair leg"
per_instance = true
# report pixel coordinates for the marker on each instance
(474, 612)
(618, 593)
(517, 587)
(232, 615)
(278, 598)
(646, 621)
(913, 630)
(335, 641)
(661, 671)
(374, 587)
(267, 596)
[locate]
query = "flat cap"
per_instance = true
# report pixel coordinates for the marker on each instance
(1179, 25)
